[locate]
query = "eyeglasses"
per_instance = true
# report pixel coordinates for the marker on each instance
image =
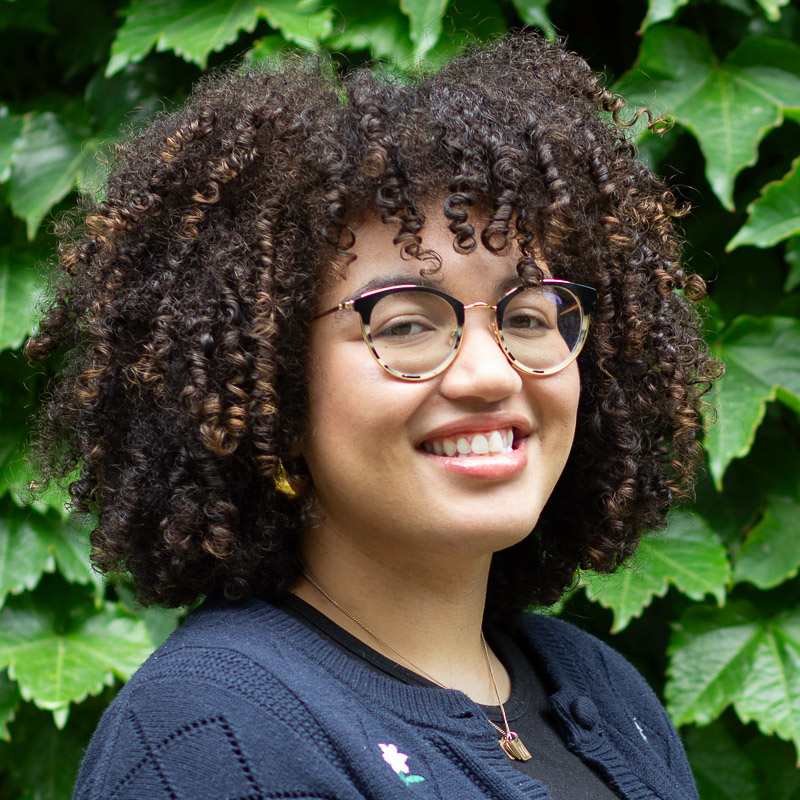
(414, 332)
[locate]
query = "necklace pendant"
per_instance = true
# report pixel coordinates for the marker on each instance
(513, 747)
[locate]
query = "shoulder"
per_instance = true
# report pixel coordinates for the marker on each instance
(214, 703)
(572, 655)
(237, 652)
(244, 655)
(577, 663)
(597, 692)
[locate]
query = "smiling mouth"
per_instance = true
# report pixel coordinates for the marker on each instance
(488, 443)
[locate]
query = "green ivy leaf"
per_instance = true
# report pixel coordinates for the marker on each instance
(20, 288)
(47, 167)
(194, 29)
(117, 103)
(382, 29)
(10, 132)
(742, 6)
(737, 657)
(762, 358)
(771, 553)
(766, 51)
(721, 769)
(160, 622)
(534, 12)
(24, 555)
(659, 11)
(772, 8)
(773, 216)
(304, 24)
(770, 696)
(32, 544)
(70, 548)
(712, 653)
(15, 395)
(689, 556)
(793, 260)
(42, 760)
(18, 476)
(425, 22)
(772, 468)
(265, 49)
(9, 703)
(729, 107)
(55, 667)
(465, 22)
(18, 394)
(127, 98)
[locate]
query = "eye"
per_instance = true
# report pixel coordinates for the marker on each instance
(404, 328)
(532, 313)
(528, 322)
(410, 318)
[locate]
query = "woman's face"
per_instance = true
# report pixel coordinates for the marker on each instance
(373, 439)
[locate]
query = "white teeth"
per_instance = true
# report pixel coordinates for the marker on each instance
(480, 446)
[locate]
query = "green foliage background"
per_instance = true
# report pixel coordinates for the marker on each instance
(710, 611)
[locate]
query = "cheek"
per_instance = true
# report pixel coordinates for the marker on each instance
(572, 394)
(558, 394)
(557, 403)
(343, 387)
(355, 410)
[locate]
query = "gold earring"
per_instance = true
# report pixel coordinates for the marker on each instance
(284, 484)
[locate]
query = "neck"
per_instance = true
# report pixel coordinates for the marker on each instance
(425, 619)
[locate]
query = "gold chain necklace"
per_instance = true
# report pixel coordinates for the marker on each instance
(510, 743)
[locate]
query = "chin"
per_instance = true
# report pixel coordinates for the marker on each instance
(484, 537)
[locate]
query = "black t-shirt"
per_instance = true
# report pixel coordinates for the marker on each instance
(528, 709)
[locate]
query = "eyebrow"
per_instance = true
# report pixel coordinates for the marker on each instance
(384, 281)
(404, 279)
(507, 284)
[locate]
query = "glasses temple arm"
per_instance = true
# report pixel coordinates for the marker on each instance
(341, 307)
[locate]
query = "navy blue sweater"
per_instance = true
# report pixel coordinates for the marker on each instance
(247, 703)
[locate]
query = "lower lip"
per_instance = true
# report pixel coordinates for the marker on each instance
(487, 468)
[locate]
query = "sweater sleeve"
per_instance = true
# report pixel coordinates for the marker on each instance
(192, 740)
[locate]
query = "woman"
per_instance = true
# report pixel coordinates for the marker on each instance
(332, 370)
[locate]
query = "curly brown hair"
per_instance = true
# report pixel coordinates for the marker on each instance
(188, 290)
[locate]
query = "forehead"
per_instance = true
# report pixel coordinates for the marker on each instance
(379, 262)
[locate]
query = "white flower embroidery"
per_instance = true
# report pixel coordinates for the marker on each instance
(394, 758)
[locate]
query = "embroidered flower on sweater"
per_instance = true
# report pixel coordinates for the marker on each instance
(394, 758)
(397, 761)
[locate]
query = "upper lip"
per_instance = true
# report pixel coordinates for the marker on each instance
(480, 423)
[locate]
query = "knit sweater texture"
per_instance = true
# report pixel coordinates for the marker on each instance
(246, 703)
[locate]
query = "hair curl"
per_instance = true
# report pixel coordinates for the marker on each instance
(187, 294)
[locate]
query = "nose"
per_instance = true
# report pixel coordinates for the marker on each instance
(480, 369)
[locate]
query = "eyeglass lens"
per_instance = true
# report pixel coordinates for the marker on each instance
(415, 332)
